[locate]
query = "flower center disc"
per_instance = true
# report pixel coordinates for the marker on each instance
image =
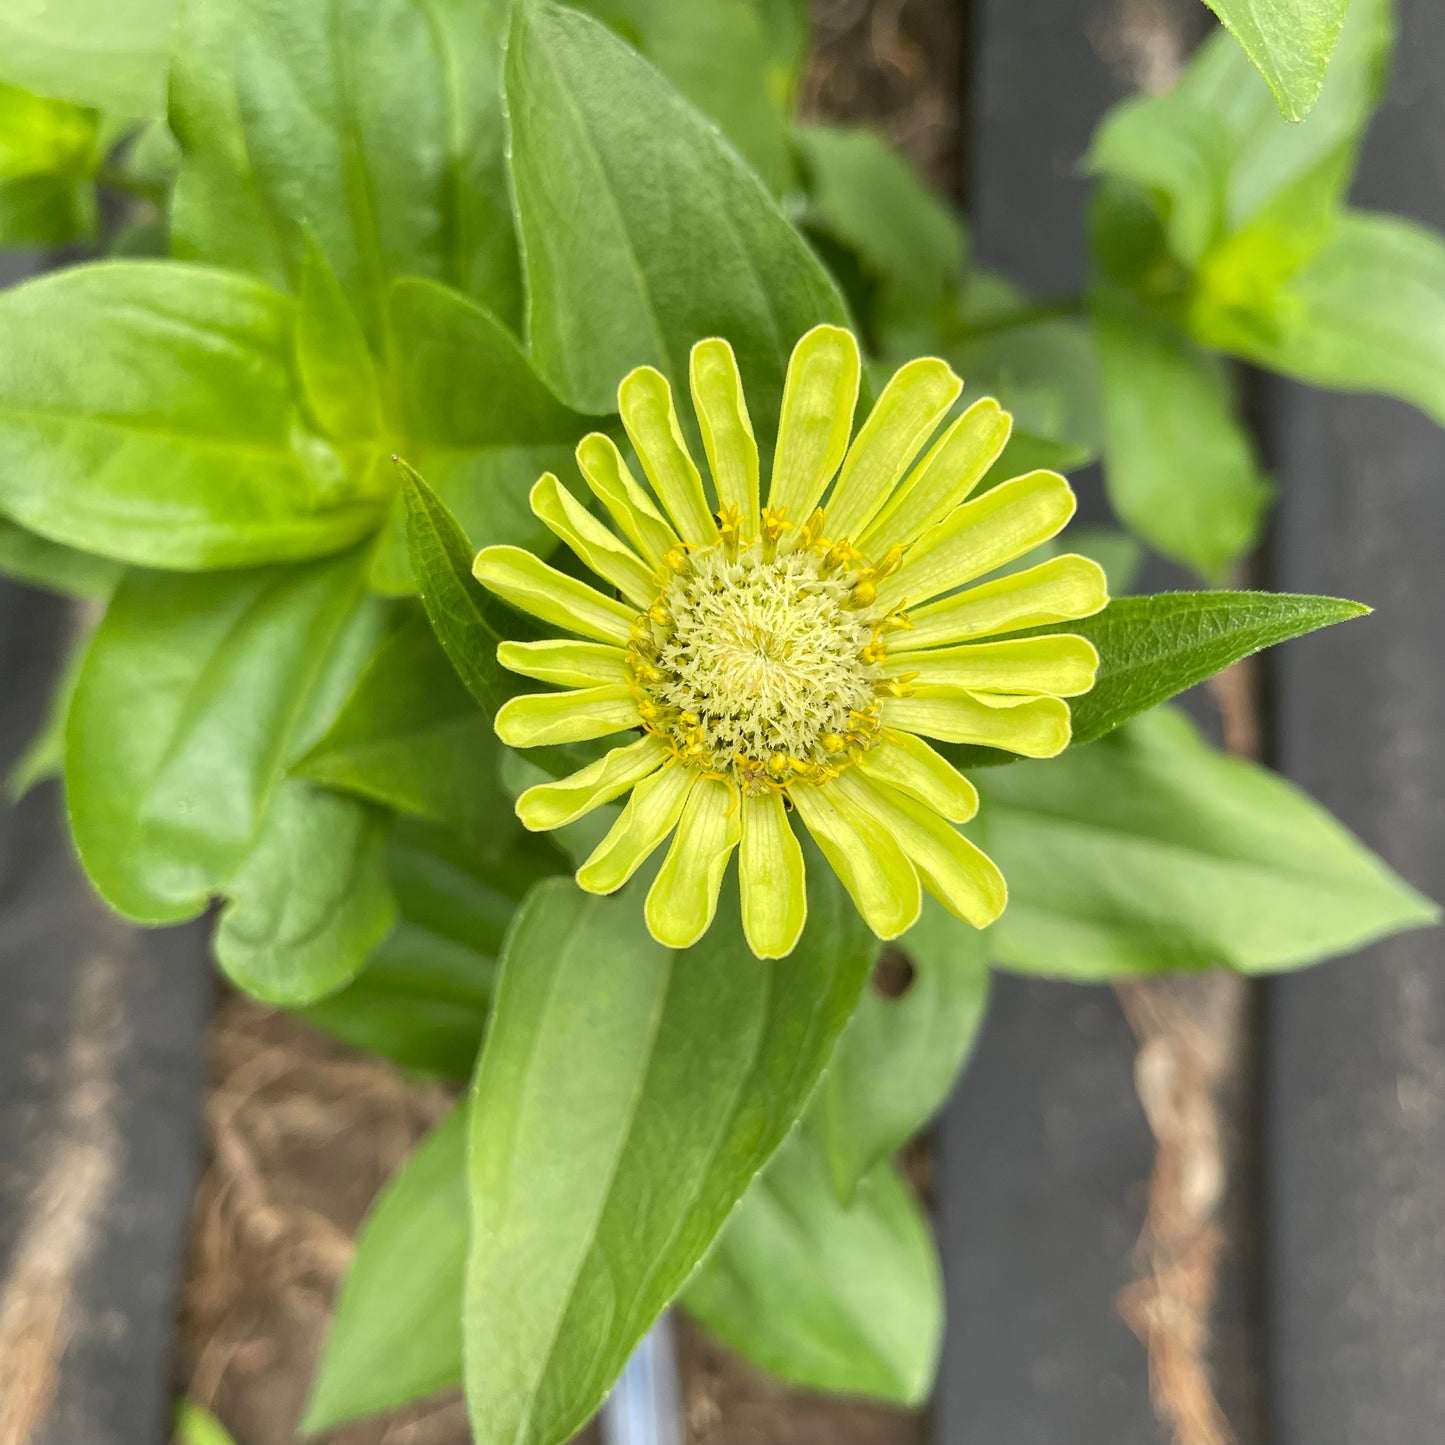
(757, 668)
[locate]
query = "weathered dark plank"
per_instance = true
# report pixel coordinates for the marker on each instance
(102, 1061)
(1355, 1088)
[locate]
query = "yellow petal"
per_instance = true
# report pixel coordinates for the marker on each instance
(531, 585)
(907, 763)
(912, 405)
(568, 664)
(554, 805)
(645, 401)
(538, 718)
(1062, 589)
(650, 815)
(683, 897)
(592, 543)
(634, 512)
(961, 876)
(955, 465)
(819, 395)
(770, 872)
(727, 431)
(1037, 728)
(1061, 664)
(1004, 523)
(873, 868)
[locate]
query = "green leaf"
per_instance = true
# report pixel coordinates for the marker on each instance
(49, 150)
(423, 996)
(292, 119)
(478, 421)
(338, 377)
(459, 612)
(413, 738)
(626, 1097)
(219, 681)
(195, 1425)
(848, 1300)
(1180, 469)
(309, 902)
(396, 1335)
(110, 54)
(1151, 852)
(1366, 314)
(899, 1057)
(43, 563)
(866, 197)
(1290, 43)
(1152, 648)
(681, 242)
(147, 413)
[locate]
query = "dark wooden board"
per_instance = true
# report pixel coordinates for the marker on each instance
(1355, 1083)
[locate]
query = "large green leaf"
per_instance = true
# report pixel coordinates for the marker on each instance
(626, 1097)
(1150, 852)
(397, 1331)
(413, 738)
(49, 150)
(1290, 43)
(459, 611)
(309, 901)
(848, 1300)
(422, 999)
(899, 1057)
(375, 124)
(1151, 648)
(1366, 314)
(196, 694)
(1180, 469)
(681, 240)
(105, 53)
(148, 413)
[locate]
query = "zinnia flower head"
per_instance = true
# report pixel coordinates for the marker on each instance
(785, 661)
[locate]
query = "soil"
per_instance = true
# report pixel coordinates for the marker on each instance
(302, 1132)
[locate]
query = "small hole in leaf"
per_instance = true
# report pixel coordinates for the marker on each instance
(894, 975)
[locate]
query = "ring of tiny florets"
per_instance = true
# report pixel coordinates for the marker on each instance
(760, 662)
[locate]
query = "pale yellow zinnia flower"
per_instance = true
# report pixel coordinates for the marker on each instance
(787, 661)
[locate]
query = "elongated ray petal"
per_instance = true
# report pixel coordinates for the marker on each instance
(912, 405)
(683, 897)
(1062, 589)
(907, 763)
(634, 512)
(538, 718)
(954, 466)
(727, 431)
(592, 543)
(530, 584)
(553, 805)
(1061, 664)
(650, 815)
(874, 869)
(771, 875)
(567, 663)
(1037, 728)
(961, 876)
(645, 401)
(980, 535)
(819, 395)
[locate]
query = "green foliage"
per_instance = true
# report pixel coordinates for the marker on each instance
(1150, 853)
(48, 153)
(830, 1297)
(195, 1425)
(625, 1099)
(900, 1055)
(1290, 41)
(148, 413)
(597, 133)
(54, 567)
(396, 1335)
